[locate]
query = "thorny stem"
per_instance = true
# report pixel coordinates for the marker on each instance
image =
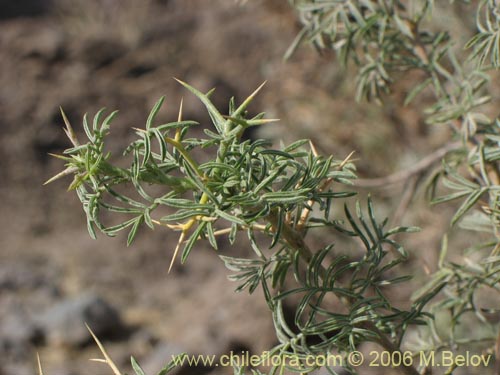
(294, 237)
(185, 228)
(178, 145)
(295, 240)
(307, 210)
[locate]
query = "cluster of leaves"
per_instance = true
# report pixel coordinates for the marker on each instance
(359, 286)
(245, 184)
(276, 196)
(386, 37)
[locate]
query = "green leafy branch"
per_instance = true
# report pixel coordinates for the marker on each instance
(276, 196)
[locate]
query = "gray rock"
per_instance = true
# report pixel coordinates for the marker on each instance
(15, 276)
(17, 334)
(64, 324)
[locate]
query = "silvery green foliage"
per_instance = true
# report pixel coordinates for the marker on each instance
(269, 194)
(384, 38)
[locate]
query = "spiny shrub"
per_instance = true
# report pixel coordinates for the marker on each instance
(278, 196)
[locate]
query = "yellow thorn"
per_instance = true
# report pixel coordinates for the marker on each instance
(206, 218)
(67, 171)
(107, 358)
(313, 148)
(222, 232)
(262, 121)
(269, 120)
(62, 157)
(69, 130)
(181, 239)
(346, 160)
(181, 82)
(40, 371)
(179, 119)
(158, 222)
(253, 94)
(175, 226)
(185, 228)
(247, 101)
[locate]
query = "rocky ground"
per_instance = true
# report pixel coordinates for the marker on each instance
(83, 55)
